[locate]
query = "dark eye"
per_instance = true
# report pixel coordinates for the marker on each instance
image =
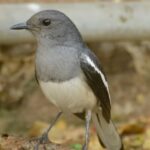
(46, 22)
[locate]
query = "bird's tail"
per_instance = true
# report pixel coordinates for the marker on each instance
(106, 132)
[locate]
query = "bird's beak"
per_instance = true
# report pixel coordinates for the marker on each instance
(19, 26)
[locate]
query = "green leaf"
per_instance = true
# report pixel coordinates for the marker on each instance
(76, 147)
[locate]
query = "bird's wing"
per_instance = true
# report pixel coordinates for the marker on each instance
(96, 79)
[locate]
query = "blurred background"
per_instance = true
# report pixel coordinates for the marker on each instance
(125, 57)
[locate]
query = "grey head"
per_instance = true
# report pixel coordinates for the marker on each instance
(52, 25)
(59, 45)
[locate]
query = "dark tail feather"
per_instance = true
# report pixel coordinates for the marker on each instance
(106, 132)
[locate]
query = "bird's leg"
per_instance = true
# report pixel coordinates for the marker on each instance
(87, 132)
(44, 138)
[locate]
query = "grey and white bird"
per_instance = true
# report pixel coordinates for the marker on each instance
(71, 76)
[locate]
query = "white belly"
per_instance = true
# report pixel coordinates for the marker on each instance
(73, 95)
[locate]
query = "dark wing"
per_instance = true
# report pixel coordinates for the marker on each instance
(97, 81)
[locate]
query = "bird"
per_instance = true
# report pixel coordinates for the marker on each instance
(71, 76)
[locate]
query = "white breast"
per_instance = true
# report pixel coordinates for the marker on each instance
(73, 95)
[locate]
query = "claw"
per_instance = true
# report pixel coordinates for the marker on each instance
(44, 138)
(84, 147)
(41, 140)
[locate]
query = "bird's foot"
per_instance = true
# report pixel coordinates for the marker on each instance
(84, 147)
(43, 139)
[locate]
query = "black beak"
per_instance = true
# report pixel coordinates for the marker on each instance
(19, 26)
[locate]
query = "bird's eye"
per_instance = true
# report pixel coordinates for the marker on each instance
(46, 22)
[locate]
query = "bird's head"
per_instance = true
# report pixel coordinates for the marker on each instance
(50, 24)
